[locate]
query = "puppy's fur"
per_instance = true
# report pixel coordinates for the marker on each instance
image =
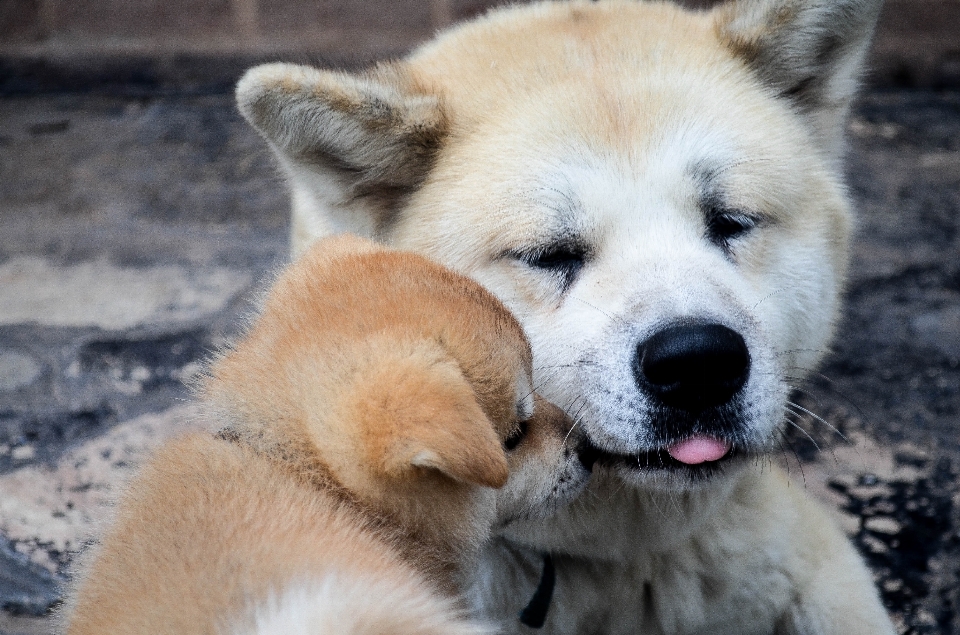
(362, 465)
(641, 185)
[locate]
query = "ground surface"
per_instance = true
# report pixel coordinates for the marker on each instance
(132, 230)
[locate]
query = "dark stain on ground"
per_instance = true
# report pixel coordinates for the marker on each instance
(914, 528)
(49, 434)
(92, 380)
(160, 357)
(25, 588)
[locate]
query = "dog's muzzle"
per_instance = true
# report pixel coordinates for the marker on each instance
(693, 374)
(692, 367)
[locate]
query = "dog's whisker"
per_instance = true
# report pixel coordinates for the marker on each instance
(799, 418)
(786, 459)
(572, 406)
(543, 382)
(832, 385)
(805, 433)
(799, 461)
(613, 318)
(791, 404)
(806, 393)
(769, 295)
(653, 499)
(675, 500)
(576, 422)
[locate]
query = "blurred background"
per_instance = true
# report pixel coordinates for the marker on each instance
(138, 214)
(201, 44)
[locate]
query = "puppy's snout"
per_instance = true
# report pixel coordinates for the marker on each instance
(693, 367)
(551, 418)
(588, 454)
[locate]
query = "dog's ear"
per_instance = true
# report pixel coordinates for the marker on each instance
(809, 51)
(443, 428)
(418, 412)
(353, 145)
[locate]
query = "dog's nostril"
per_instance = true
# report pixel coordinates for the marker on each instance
(693, 366)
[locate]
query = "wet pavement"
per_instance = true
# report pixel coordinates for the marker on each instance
(134, 231)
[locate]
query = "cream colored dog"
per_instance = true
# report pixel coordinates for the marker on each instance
(380, 424)
(656, 194)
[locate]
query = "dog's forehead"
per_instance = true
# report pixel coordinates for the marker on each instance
(548, 191)
(511, 53)
(643, 88)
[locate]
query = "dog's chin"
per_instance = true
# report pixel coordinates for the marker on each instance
(657, 469)
(554, 496)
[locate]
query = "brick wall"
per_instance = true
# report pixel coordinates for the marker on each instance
(918, 43)
(212, 25)
(918, 40)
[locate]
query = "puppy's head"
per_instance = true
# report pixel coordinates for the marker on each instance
(407, 384)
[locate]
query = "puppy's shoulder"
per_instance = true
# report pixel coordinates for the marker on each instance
(216, 522)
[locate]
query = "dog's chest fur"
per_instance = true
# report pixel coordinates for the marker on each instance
(680, 569)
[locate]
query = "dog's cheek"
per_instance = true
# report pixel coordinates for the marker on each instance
(797, 299)
(530, 473)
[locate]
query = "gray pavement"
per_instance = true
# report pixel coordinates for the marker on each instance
(134, 230)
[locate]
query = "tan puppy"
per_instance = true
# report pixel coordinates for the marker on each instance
(371, 413)
(657, 195)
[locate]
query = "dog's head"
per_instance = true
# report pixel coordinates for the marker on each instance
(406, 384)
(654, 193)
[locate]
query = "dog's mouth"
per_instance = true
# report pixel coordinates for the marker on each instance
(699, 455)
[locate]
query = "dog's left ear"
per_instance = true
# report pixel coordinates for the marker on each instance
(354, 145)
(810, 51)
(419, 412)
(447, 431)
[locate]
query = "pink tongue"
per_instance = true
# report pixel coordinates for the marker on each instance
(697, 450)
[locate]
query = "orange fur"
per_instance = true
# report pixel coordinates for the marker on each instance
(365, 413)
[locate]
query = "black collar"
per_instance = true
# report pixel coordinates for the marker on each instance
(535, 613)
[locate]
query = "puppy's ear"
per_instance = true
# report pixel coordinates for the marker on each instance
(417, 416)
(810, 51)
(353, 145)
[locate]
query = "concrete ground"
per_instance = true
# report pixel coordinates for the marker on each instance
(134, 230)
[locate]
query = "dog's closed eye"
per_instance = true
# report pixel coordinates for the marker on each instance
(725, 226)
(562, 259)
(511, 442)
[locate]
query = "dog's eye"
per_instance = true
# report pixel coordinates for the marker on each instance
(565, 261)
(724, 226)
(557, 258)
(516, 437)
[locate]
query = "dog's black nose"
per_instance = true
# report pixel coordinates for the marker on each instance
(692, 367)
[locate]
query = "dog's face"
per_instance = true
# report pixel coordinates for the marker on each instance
(652, 192)
(407, 384)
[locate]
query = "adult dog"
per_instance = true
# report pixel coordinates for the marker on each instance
(656, 193)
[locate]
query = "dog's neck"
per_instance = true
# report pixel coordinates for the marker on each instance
(657, 519)
(430, 547)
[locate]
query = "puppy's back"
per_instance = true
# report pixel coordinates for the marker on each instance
(364, 414)
(212, 538)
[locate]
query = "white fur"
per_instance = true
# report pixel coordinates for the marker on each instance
(342, 602)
